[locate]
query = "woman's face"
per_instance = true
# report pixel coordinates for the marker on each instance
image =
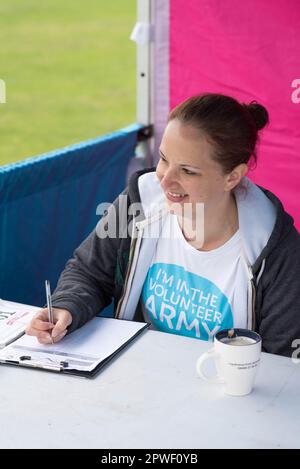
(186, 171)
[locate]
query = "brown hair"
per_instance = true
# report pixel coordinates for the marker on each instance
(231, 127)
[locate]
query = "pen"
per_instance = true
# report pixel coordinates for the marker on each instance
(49, 304)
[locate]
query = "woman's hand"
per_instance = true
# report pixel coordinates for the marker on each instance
(48, 333)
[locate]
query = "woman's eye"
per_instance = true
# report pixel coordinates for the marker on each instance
(187, 171)
(163, 159)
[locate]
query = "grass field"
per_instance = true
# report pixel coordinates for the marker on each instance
(69, 68)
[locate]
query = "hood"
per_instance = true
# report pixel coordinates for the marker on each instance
(262, 219)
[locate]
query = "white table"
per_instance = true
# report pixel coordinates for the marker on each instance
(150, 397)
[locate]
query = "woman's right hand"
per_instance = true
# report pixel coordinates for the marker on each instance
(48, 333)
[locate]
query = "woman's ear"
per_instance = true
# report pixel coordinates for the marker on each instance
(234, 178)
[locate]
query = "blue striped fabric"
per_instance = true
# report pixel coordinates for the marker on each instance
(48, 206)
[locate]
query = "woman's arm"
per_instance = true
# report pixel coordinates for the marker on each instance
(86, 286)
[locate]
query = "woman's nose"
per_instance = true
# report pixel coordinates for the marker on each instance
(168, 177)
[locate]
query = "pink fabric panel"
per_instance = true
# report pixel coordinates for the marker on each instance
(249, 50)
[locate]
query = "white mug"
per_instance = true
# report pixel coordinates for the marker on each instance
(237, 355)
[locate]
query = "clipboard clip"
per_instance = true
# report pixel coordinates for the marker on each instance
(26, 360)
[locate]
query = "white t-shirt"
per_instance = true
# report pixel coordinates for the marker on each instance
(195, 293)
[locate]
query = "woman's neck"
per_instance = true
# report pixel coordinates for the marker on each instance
(218, 227)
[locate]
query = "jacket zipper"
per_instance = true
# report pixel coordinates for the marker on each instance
(129, 270)
(261, 271)
(134, 248)
(254, 322)
(253, 298)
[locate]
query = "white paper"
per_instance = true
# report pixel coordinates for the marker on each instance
(14, 318)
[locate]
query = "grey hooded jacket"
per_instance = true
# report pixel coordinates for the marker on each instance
(106, 268)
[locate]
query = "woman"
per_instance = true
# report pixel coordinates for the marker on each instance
(209, 250)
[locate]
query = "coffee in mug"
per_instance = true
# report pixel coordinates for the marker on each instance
(238, 341)
(237, 355)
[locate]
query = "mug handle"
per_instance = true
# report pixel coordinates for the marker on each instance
(206, 356)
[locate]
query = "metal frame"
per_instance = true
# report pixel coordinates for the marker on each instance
(144, 82)
(152, 78)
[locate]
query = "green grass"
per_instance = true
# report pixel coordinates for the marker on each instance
(69, 68)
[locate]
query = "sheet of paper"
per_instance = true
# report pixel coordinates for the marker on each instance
(81, 350)
(13, 319)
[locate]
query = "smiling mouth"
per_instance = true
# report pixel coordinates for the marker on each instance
(174, 196)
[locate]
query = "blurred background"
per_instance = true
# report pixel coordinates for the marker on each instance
(70, 71)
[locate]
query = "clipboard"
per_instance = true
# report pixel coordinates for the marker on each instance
(84, 352)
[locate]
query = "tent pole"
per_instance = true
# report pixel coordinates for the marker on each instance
(143, 36)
